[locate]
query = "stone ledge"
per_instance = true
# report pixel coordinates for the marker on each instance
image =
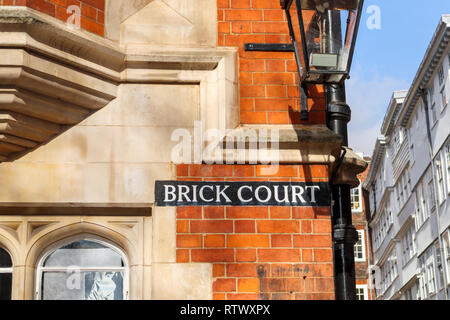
(51, 78)
(61, 75)
(23, 27)
(291, 144)
(351, 166)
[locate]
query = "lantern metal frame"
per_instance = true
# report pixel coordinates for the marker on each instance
(286, 5)
(307, 75)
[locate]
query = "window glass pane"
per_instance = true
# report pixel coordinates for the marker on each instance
(358, 248)
(5, 259)
(84, 254)
(355, 197)
(360, 293)
(5, 286)
(82, 286)
(441, 74)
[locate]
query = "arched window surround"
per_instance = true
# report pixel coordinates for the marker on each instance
(87, 237)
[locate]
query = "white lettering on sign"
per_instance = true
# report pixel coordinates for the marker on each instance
(313, 192)
(297, 192)
(286, 194)
(194, 189)
(167, 193)
(221, 193)
(240, 193)
(258, 196)
(183, 191)
(202, 196)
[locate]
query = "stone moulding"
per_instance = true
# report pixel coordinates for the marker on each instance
(347, 172)
(294, 144)
(213, 69)
(280, 144)
(51, 78)
(59, 76)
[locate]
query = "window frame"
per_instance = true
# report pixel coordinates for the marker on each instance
(361, 235)
(408, 245)
(431, 275)
(439, 266)
(8, 269)
(428, 285)
(446, 258)
(431, 192)
(440, 177)
(359, 190)
(364, 287)
(409, 293)
(447, 160)
(423, 288)
(84, 237)
(389, 270)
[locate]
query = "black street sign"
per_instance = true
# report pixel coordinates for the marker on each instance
(282, 194)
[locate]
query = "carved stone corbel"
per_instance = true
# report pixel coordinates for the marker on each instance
(51, 78)
(345, 170)
(278, 144)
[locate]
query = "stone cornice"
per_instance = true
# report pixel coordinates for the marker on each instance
(375, 218)
(51, 78)
(59, 76)
(35, 32)
(29, 29)
(377, 156)
(149, 64)
(279, 144)
(347, 172)
(428, 67)
(394, 109)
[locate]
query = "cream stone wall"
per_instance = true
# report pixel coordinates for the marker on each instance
(112, 157)
(162, 22)
(158, 70)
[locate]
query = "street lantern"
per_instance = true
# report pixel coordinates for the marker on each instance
(327, 47)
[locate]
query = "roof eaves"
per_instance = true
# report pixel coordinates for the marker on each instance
(428, 66)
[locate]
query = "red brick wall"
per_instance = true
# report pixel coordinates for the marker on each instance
(92, 11)
(360, 223)
(259, 252)
(268, 80)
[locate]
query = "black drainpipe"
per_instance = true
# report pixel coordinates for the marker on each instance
(344, 233)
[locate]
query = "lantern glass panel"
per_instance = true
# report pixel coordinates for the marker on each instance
(329, 27)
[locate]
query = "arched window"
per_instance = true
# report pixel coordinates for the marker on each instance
(5, 275)
(83, 270)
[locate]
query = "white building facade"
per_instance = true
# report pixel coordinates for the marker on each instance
(409, 184)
